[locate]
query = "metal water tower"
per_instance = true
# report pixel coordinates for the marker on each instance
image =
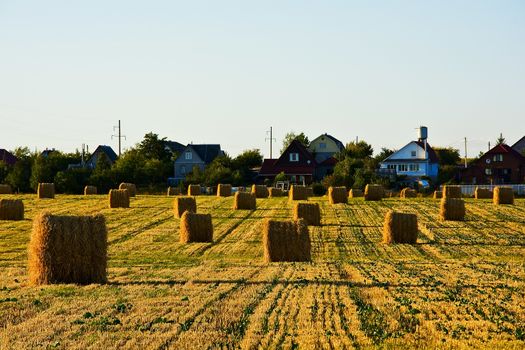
(423, 133)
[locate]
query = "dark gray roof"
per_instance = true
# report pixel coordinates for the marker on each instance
(207, 152)
(112, 156)
(520, 145)
(339, 143)
(175, 146)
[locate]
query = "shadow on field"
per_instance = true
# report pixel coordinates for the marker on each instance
(304, 282)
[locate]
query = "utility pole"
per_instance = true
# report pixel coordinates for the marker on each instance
(119, 136)
(489, 145)
(271, 139)
(83, 153)
(465, 152)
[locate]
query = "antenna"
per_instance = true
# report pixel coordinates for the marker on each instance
(119, 136)
(271, 139)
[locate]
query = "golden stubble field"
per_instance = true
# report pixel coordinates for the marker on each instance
(461, 286)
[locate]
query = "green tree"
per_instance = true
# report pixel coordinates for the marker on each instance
(447, 156)
(102, 176)
(289, 137)
(281, 177)
(358, 150)
(19, 176)
(153, 147)
(218, 171)
(248, 159)
(500, 140)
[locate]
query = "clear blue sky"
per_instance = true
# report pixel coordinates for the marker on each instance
(225, 71)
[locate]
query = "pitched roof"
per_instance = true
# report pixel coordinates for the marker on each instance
(112, 156)
(339, 143)
(270, 167)
(207, 152)
(282, 164)
(503, 148)
(519, 145)
(7, 157)
(432, 156)
(175, 146)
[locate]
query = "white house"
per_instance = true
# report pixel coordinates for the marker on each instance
(415, 160)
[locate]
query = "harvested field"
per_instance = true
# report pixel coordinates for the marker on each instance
(462, 285)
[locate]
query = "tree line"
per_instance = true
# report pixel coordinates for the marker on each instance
(149, 164)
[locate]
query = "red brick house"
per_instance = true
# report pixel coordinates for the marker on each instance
(7, 157)
(296, 162)
(501, 165)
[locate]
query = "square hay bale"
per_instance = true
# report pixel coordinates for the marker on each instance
(400, 228)
(224, 190)
(68, 249)
(408, 193)
(183, 204)
(309, 212)
(260, 191)
(173, 191)
(244, 201)
(337, 195)
(503, 195)
(374, 192)
(275, 192)
(132, 189)
(482, 193)
(286, 241)
(452, 209)
(46, 190)
(355, 193)
(438, 195)
(194, 190)
(5, 189)
(195, 228)
(450, 191)
(88, 190)
(118, 198)
(11, 209)
(298, 193)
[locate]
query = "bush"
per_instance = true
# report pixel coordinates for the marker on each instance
(318, 189)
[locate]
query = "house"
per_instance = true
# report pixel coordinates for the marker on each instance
(45, 153)
(500, 165)
(296, 162)
(195, 155)
(7, 157)
(111, 156)
(416, 160)
(174, 147)
(324, 149)
(520, 146)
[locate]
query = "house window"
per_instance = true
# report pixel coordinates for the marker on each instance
(183, 170)
(413, 153)
(294, 157)
(488, 171)
(414, 167)
(301, 179)
(322, 145)
(188, 155)
(293, 178)
(391, 166)
(498, 158)
(402, 167)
